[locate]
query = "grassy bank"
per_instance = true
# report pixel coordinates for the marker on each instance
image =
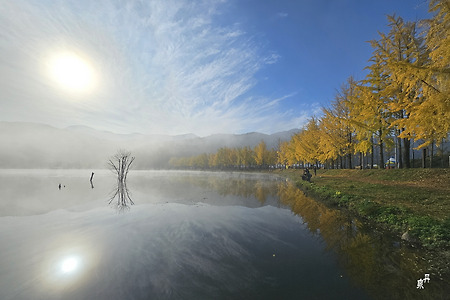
(416, 201)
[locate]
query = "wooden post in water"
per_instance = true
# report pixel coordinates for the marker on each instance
(92, 177)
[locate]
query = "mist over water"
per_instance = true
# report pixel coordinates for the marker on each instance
(38, 146)
(190, 235)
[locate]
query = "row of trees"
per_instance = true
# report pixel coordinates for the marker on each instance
(225, 158)
(404, 98)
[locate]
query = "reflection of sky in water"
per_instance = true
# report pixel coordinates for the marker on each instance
(29, 192)
(166, 250)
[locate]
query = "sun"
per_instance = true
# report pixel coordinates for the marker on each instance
(72, 72)
(69, 264)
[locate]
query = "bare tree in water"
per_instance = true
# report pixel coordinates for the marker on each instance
(120, 164)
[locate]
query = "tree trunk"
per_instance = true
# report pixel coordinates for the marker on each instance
(431, 154)
(406, 151)
(381, 152)
(424, 157)
(372, 153)
(349, 156)
(400, 156)
(361, 160)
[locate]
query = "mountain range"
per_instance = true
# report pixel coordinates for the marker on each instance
(33, 145)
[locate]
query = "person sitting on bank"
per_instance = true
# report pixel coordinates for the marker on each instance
(306, 175)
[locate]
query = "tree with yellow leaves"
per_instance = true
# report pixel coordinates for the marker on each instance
(329, 152)
(401, 46)
(261, 154)
(430, 112)
(286, 155)
(338, 139)
(369, 110)
(246, 157)
(420, 78)
(306, 143)
(224, 158)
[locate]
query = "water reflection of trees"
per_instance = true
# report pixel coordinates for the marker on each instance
(120, 164)
(379, 263)
(236, 186)
(123, 196)
(372, 259)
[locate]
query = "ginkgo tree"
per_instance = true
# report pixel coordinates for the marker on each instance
(400, 46)
(264, 156)
(369, 110)
(430, 115)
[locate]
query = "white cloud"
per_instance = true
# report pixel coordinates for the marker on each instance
(164, 67)
(272, 58)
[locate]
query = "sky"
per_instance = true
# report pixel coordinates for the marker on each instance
(177, 66)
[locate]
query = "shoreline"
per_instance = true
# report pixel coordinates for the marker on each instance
(413, 204)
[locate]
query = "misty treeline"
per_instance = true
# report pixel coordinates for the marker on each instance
(403, 103)
(225, 158)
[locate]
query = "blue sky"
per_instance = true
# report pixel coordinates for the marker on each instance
(175, 67)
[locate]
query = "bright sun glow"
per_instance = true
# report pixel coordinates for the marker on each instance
(72, 72)
(70, 264)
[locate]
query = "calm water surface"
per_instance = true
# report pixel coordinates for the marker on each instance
(192, 235)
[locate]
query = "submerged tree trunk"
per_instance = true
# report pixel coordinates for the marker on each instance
(120, 164)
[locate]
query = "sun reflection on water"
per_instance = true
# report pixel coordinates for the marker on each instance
(69, 267)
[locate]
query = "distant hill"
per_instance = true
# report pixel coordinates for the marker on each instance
(32, 145)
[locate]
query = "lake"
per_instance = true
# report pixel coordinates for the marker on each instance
(193, 235)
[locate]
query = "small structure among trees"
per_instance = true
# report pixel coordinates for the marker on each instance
(120, 165)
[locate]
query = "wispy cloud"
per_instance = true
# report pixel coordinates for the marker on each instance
(282, 15)
(163, 67)
(272, 58)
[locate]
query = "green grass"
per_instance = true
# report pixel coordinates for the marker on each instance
(413, 200)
